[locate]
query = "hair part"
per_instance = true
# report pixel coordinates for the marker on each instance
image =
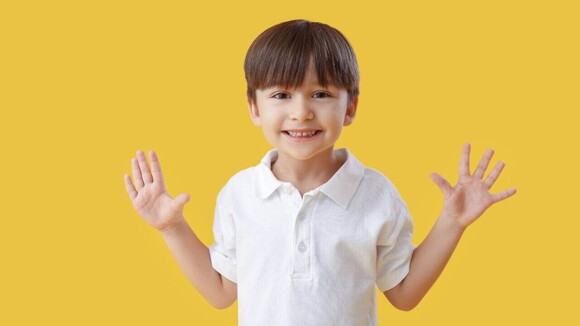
(280, 56)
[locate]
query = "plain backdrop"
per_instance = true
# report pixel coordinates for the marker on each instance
(84, 84)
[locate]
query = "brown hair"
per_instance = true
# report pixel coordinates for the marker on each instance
(281, 54)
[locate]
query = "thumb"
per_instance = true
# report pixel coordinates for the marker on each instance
(181, 200)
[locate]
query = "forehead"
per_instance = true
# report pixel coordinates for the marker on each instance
(310, 79)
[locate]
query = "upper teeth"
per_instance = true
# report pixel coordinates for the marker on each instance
(301, 134)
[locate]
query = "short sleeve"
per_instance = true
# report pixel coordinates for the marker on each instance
(394, 248)
(223, 250)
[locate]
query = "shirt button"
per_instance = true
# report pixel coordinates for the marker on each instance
(301, 217)
(302, 247)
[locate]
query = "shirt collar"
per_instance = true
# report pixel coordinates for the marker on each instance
(340, 188)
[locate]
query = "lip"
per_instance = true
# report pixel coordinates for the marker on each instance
(302, 139)
(301, 130)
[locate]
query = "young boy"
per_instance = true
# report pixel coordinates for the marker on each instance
(303, 237)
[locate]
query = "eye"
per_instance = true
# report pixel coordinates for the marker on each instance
(284, 96)
(323, 94)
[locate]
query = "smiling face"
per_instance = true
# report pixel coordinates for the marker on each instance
(304, 121)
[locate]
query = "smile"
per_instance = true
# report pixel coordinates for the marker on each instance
(302, 135)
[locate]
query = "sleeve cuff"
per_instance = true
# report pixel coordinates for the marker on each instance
(394, 277)
(223, 264)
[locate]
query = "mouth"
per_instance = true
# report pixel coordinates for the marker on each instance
(302, 135)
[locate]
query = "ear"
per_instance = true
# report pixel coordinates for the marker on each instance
(350, 111)
(254, 112)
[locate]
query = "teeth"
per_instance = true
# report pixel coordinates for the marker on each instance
(302, 134)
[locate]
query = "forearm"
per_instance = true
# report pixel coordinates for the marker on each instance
(193, 258)
(428, 261)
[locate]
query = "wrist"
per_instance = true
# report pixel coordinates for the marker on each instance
(451, 225)
(174, 228)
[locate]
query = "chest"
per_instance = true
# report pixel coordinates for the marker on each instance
(305, 236)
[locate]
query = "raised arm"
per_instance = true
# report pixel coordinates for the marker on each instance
(164, 213)
(463, 204)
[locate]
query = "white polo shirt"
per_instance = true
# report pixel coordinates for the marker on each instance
(313, 260)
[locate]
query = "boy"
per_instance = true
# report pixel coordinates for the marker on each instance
(303, 237)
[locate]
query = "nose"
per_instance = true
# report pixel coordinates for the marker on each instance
(301, 111)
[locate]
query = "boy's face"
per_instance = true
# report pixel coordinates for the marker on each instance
(308, 108)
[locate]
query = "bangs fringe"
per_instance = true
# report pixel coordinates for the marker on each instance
(281, 55)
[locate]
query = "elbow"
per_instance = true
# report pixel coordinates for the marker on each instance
(223, 304)
(406, 306)
(400, 302)
(226, 297)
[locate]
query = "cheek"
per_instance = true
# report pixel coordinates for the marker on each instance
(272, 123)
(333, 120)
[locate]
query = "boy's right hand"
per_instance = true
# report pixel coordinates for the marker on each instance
(149, 197)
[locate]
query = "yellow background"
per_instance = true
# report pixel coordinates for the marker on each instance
(84, 84)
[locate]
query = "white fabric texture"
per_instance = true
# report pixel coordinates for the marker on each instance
(311, 260)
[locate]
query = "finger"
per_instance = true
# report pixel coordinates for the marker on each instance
(147, 177)
(181, 200)
(464, 163)
(483, 163)
(444, 186)
(503, 195)
(156, 167)
(137, 174)
(490, 180)
(130, 188)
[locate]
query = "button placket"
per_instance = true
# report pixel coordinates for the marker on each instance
(301, 247)
(302, 241)
(292, 195)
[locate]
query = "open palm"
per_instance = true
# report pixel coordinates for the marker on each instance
(470, 197)
(149, 197)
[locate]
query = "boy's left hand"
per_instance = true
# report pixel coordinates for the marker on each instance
(470, 197)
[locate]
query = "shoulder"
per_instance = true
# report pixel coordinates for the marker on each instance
(394, 216)
(375, 182)
(242, 177)
(241, 182)
(379, 198)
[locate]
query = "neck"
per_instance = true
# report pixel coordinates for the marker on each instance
(311, 172)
